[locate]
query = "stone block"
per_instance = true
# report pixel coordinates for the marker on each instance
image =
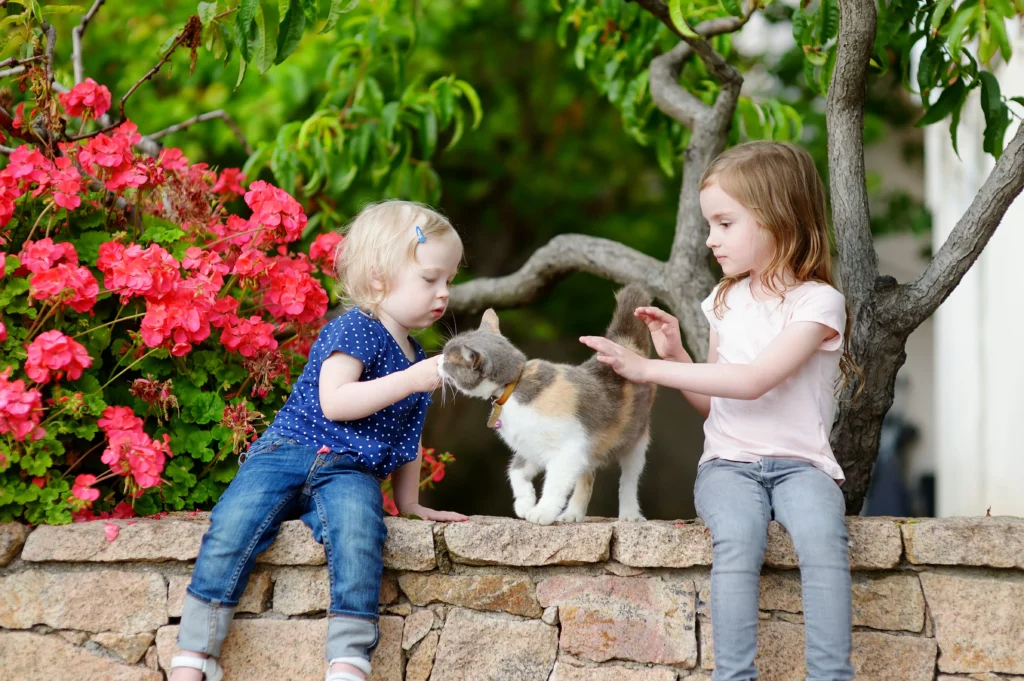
(991, 542)
(506, 593)
(476, 646)
(505, 541)
(254, 599)
(26, 656)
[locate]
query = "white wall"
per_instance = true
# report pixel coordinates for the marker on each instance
(979, 330)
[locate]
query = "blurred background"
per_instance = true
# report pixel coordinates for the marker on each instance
(551, 156)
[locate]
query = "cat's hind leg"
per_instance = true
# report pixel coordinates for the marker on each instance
(576, 511)
(521, 473)
(632, 465)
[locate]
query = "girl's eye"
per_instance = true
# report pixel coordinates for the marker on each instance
(725, 225)
(429, 280)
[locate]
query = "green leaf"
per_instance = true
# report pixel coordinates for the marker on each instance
(825, 79)
(952, 97)
(62, 9)
(997, 115)
(829, 19)
(428, 133)
(445, 103)
(261, 50)
(751, 118)
(732, 7)
(388, 118)
(290, 31)
(474, 101)
(997, 26)
(207, 10)
(941, 7)
(799, 21)
(312, 10)
(928, 66)
(955, 30)
(243, 28)
(337, 10)
(675, 12)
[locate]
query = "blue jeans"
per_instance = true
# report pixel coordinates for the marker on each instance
(335, 495)
(736, 501)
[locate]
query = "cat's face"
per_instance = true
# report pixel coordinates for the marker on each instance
(481, 363)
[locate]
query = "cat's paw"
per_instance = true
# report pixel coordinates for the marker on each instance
(542, 515)
(571, 515)
(633, 515)
(523, 506)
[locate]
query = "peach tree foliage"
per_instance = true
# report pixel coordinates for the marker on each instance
(154, 310)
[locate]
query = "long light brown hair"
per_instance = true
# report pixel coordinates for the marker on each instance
(781, 188)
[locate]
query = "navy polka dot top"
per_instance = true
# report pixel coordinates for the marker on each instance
(382, 441)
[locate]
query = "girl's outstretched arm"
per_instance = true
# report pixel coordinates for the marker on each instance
(777, 362)
(405, 482)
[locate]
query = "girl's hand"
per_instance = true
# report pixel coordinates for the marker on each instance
(423, 376)
(664, 330)
(431, 514)
(626, 363)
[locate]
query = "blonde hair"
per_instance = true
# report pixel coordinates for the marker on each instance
(780, 186)
(378, 242)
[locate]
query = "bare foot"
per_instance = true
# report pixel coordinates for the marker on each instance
(187, 673)
(338, 667)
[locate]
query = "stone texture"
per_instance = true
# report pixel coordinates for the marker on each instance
(505, 541)
(876, 656)
(477, 646)
(569, 672)
(658, 543)
(294, 545)
(550, 615)
(100, 600)
(979, 677)
(619, 570)
(305, 590)
(639, 619)
(12, 538)
(152, 659)
(72, 636)
(270, 650)
(889, 601)
(416, 627)
(410, 545)
(507, 593)
(32, 657)
(174, 538)
(129, 648)
(421, 662)
(979, 621)
(875, 544)
(254, 599)
(991, 542)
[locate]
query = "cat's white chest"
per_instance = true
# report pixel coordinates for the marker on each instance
(535, 436)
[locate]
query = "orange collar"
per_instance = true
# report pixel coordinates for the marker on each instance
(508, 391)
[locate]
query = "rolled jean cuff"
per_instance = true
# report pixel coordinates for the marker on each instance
(204, 626)
(351, 637)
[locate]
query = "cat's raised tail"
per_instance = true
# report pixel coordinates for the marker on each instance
(626, 328)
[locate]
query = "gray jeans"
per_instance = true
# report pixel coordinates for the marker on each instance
(736, 501)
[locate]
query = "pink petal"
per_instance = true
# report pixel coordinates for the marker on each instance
(324, 450)
(111, 531)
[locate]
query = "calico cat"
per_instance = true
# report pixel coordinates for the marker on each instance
(564, 420)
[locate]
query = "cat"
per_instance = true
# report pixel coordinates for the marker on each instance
(564, 420)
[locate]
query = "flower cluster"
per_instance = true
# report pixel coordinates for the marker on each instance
(129, 280)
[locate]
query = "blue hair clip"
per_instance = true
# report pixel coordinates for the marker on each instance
(420, 236)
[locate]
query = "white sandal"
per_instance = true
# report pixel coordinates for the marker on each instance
(207, 665)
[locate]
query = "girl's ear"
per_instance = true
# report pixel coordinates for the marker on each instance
(376, 281)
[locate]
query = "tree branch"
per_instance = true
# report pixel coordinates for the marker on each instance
(858, 263)
(912, 303)
(563, 255)
(76, 41)
(672, 99)
(6, 150)
(219, 113)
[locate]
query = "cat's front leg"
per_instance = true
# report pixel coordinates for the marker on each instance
(521, 473)
(559, 480)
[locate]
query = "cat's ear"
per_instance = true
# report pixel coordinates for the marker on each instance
(489, 322)
(472, 357)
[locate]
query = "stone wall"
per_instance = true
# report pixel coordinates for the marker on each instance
(505, 600)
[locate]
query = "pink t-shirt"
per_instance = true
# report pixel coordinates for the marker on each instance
(793, 420)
